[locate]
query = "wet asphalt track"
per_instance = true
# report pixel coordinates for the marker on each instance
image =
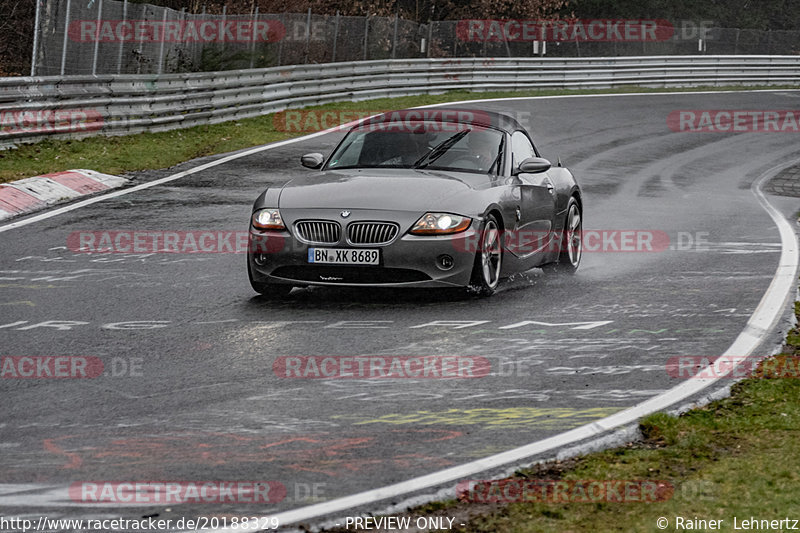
(203, 402)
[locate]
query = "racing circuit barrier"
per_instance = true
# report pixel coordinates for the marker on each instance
(34, 108)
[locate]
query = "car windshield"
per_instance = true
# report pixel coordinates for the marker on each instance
(431, 145)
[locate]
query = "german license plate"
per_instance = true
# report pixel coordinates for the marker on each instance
(344, 256)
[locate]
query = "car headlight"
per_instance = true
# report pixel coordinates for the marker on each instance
(268, 219)
(440, 224)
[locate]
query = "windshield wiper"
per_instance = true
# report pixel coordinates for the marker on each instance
(499, 155)
(439, 150)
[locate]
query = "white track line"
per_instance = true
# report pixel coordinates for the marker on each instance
(761, 322)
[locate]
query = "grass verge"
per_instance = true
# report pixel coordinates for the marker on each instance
(734, 458)
(120, 154)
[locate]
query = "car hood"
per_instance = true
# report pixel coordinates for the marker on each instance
(395, 189)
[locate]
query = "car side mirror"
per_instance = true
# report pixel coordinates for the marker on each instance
(312, 160)
(533, 165)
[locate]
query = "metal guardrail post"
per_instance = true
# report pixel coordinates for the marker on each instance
(394, 39)
(280, 42)
(140, 50)
(184, 47)
(308, 36)
(254, 25)
(430, 37)
(66, 33)
(224, 19)
(161, 49)
(366, 35)
(35, 36)
(122, 41)
(335, 36)
(97, 36)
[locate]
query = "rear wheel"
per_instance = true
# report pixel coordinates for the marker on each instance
(488, 260)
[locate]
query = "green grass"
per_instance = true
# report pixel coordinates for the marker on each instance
(737, 457)
(121, 154)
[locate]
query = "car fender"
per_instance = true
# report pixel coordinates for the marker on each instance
(268, 198)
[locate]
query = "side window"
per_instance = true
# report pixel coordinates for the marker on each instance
(521, 148)
(349, 154)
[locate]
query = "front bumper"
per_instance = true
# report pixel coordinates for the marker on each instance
(409, 261)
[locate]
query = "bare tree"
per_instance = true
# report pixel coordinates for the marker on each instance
(16, 43)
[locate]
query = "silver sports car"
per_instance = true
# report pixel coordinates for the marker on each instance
(418, 198)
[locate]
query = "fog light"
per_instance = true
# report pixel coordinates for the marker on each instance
(445, 262)
(260, 259)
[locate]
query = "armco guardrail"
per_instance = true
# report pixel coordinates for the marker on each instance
(32, 108)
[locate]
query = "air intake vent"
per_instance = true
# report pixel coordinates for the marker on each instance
(318, 231)
(372, 232)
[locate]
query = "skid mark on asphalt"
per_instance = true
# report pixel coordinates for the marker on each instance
(34, 287)
(511, 417)
(106, 258)
(739, 248)
(604, 161)
(373, 391)
(608, 370)
(694, 170)
(84, 274)
(691, 156)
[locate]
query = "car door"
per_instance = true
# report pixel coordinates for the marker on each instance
(536, 196)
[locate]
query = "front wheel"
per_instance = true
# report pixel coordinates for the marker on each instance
(488, 260)
(570, 244)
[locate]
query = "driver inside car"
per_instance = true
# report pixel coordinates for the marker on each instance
(483, 149)
(409, 147)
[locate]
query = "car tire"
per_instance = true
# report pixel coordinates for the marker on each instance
(570, 243)
(269, 290)
(488, 260)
